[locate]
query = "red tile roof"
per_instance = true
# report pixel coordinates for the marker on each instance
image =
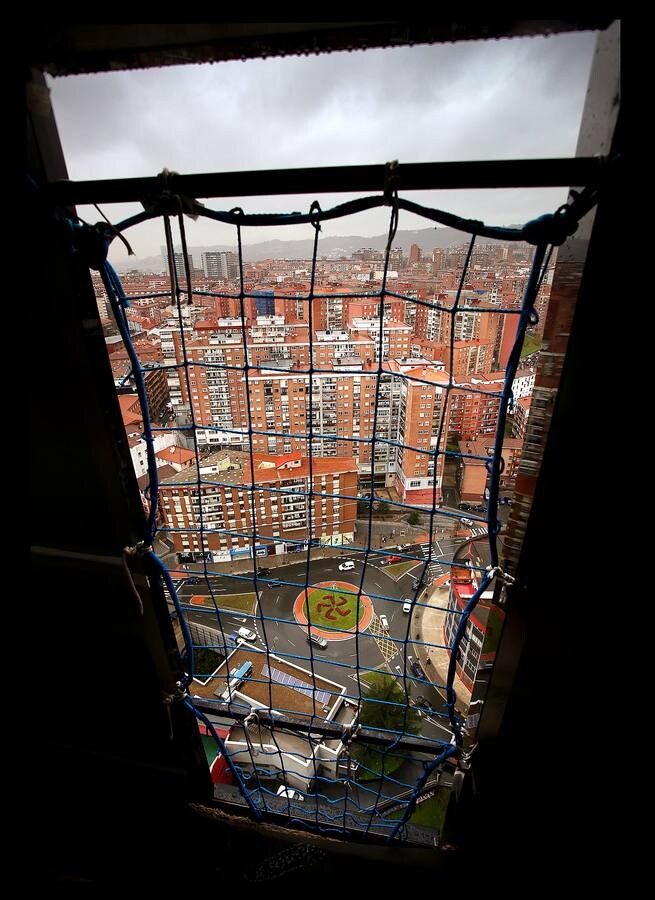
(320, 466)
(130, 409)
(173, 454)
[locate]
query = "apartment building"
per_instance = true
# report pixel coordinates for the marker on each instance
(277, 489)
(462, 359)
(396, 337)
(521, 413)
(422, 426)
(220, 264)
(523, 384)
(428, 321)
(342, 412)
(473, 473)
(484, 623)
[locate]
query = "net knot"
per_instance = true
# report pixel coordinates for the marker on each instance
(92, 242)
(168, 202)
(315, 211)
(500, 574)
(391, 182)
(553, 228)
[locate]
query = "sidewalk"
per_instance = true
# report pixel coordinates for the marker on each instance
(429, 622)
(239, 566)
(385, 535)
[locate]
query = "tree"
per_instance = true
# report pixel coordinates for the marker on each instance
(413, 518)
(383, 508)
(379, 710)
(205, 661)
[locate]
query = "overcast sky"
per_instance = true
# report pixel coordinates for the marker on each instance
(517, 98)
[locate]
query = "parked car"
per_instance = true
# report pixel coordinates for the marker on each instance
(407, 606)
(290, 794)
(264, 572)
(468, 522)
(194, 580)
(246, 634)
(347, 566)
(422, 703)
(466, 506)
(319, 641)
(384, 622)
(418, 671)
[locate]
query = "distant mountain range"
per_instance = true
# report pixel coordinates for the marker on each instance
(332, 247)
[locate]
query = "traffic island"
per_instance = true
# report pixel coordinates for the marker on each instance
(333, 609)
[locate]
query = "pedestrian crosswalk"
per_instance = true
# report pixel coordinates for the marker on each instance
(435, 569)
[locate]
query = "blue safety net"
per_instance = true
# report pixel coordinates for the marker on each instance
(333, 682)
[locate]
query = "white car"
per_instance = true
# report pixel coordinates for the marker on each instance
(283, 791)
(384, 623)
(246, 634)
(347, 566)
(407, 606)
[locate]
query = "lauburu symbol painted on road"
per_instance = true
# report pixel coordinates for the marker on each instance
(332, 606)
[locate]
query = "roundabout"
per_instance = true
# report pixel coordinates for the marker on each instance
(334, 608)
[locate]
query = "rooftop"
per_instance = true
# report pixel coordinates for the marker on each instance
(265, 691)
(130, 409)
(233, 465)
(173, 454)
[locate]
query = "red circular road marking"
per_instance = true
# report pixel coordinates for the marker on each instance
(365, 602)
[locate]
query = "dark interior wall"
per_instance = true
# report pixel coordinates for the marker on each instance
(98, 747)
(542, 782)
(62, 48)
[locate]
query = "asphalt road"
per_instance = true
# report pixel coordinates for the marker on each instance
(276, 628)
